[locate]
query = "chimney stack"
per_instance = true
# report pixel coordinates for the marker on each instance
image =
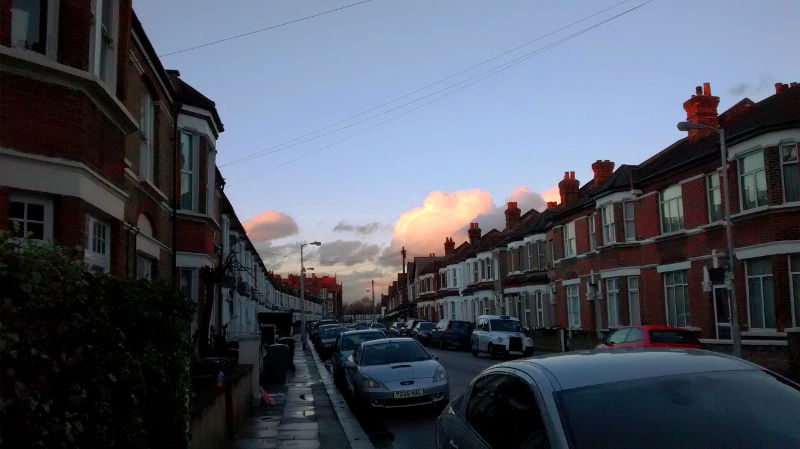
(449, 246)
(432, 255)
(552, 204)
(512, 214)
(568, 188)
(702, 108)
(474, 233)
(780, 87)
(602, 171)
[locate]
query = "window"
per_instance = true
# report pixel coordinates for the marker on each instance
(188, 283)
(760, 294)
(146, 145)
(98, 245)
(791, 172)
(30, 217)
(671, 200)
(677, 298)
(752, 180)
(483, 269)
(794, 277)
(103, 40)
(539, 302)
(607, 220)
(592, 235)
(569, 240)
(187, 164)
(542, 258)
(489, 269)
(34, 25)
(612, 301)
(628, 212)
(573, 307)
(530, 253)
(504, 412)
(714, 198)
(633, 301)
(144, 267)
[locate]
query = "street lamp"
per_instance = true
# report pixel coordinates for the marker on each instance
(303, 292)
(736, 337)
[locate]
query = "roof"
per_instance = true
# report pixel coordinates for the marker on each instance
(191, 96)
(138, 29)
(584, 368)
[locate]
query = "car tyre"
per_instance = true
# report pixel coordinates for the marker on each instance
(491, 351)
(528, 352)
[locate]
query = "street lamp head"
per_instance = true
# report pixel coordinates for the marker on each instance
(315, 243)
(686, 126)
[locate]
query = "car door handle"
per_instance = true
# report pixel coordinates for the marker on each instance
(453, 444)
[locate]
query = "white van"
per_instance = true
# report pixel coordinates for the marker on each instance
(500, 335)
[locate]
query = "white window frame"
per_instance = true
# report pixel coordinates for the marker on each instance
(195, 171)
(666, 207)
(539, 306)
(51, 32)
(608, 225)
(754, 174)
(794, 290)
(612, 302)
(629, 219)
(490, 268)
(573, 306)
(592, 234)
(570, 244)
(635, 319)
(97, 37)
(541, 254)
(45, 202)
(684, 285)
(710, 190)
(147, 139)
(144, 266)
(97, 261)
(784, 164)
(761, 279)
(454, 277)
(475, 271)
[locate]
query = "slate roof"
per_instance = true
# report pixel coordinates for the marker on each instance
(191, 96)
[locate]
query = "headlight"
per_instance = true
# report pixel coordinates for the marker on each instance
(528, 341)
(498, 339)
(440, 374)
(369, 382)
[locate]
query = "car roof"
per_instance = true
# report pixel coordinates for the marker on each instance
(584, 368)
(499, 317)
(361, 331)
(387, 340)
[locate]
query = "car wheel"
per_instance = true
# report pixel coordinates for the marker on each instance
(528, 352)
(491, 351)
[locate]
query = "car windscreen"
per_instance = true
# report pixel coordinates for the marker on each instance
(731, 409)
(393, 352)
(505, 326)
(426, 326)
(459, 325)
(673, 336)
(331, 333)
(351, 341)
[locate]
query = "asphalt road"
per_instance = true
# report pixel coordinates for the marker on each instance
(415, 428)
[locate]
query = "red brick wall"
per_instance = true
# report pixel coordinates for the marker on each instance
(647, 221)
(582, 235)
(195, 236)
(5, 22)
(695, 206)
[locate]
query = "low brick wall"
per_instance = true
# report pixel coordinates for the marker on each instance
(550, 340)
(217, 413)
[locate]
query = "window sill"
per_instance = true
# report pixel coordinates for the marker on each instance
(762, 333)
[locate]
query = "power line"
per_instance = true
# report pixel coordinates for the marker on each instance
(289, 143)
(263, 29)
(469, 82)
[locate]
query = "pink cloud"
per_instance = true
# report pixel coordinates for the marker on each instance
(270, 225)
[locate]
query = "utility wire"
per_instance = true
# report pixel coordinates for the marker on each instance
(289, 143)
(261, 30)
(469, 82)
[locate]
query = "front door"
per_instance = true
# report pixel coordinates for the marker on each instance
(722, 312)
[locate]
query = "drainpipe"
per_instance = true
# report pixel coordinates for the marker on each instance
(175, 193)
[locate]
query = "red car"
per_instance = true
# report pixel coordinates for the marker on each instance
(651, 336)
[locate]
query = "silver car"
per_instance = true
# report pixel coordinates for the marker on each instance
(624, 398)
(345, 345)
(395, 372)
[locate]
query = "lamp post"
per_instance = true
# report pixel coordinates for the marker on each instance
(736, 337)
(303, 292)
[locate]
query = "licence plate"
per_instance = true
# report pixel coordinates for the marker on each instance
(408, 393)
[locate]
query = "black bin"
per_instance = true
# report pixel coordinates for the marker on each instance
(289, 342)
(277, 363)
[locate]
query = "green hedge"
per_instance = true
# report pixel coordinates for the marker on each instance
(89, 361)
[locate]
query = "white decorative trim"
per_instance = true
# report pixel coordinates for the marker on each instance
(768, 249)
(717, 341)
(619, 272)
(695, 177)
(61, 177)
(535, 238)
(770, 139)
(674, 266)
(528, 288)
(515, 245)
(789, 205)
(575, 281)
(485, 254)
(763, 333)
(195, 215)
(166, 111)
(616, 197)
(148, 245)
(136, 63)
(193, 260)
(156, 74)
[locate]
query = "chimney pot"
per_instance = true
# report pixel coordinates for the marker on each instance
(568, 188)
(706, 88)
(474, 233)
(793, 84)
(512, 214)
(551, 204)
(702, 108)
(698, 90)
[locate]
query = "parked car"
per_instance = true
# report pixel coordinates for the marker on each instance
(396, 328)
(626, 398)
(379, 326)
(315, 327)
(452, 332)
(362, 325)
(500, 335)
(316, 339)
(327, 340)
(651, 335)
(345, 344)
(395, 372)
(422, 332)
(406, 331)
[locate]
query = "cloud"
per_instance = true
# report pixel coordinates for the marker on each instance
(346, 252)
(270, 225)
(366, 229)
(552, 194)
(741, 89)
(526, 200)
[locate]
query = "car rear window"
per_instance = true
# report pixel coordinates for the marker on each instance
(673, 336)
(459, 325)
(331, 333)
(393, 352)
(730, 409)
(426, 326)
(350, 342)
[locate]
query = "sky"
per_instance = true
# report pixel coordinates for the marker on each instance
(364, 189)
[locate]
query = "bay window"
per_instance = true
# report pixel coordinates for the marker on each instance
(790, 170)
(760, 293)
(592, 236)
(146, 144)
(188, 166)
(794, 279)
(671, 202)
(104, 40)
(30, 216)
(607, 221)
(752, 180)
(489, 269)
(540, 248)
(34, 25)
(633, 301)
(612, 301)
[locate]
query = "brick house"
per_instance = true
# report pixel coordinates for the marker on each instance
(325, 288)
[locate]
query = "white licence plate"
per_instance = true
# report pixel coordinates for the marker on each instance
(408, 393)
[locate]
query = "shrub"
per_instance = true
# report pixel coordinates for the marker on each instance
(89, 361)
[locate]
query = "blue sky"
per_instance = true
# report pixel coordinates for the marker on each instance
(612, 93)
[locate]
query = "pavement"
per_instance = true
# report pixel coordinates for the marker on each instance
(309, 413)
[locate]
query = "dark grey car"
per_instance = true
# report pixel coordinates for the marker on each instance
(624, 398)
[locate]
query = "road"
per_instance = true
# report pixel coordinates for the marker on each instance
(415, 427)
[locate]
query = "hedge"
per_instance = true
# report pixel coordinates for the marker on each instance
(89, 361)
